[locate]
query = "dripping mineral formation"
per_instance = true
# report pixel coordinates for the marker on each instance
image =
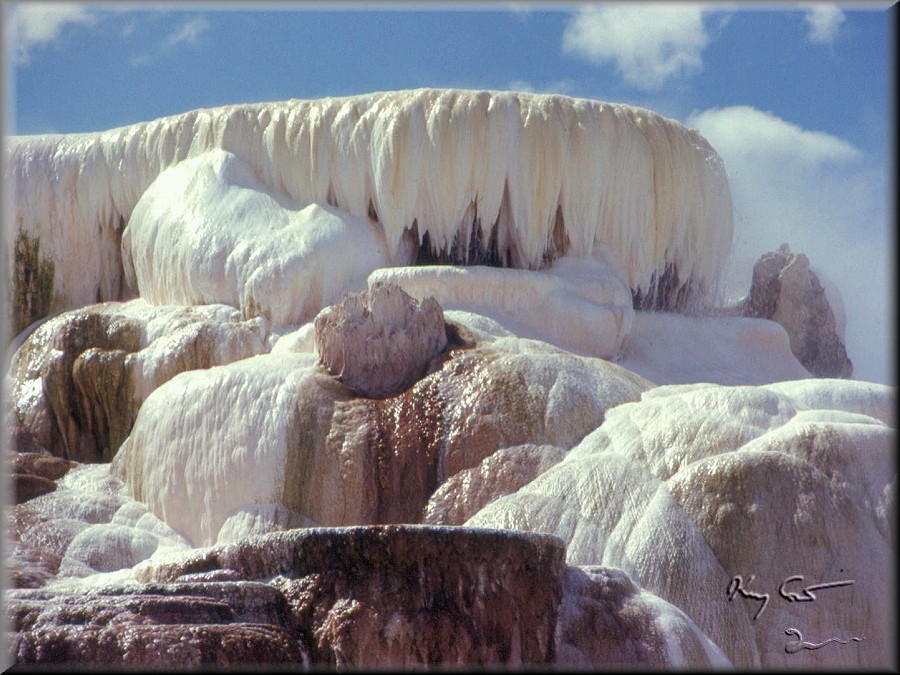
(425, 377)
(360, 182)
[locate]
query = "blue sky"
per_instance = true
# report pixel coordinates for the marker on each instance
(796, 98)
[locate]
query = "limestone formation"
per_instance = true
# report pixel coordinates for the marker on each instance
(267, 253)
(608, 621)
(68, 392)
(698, 484)
(785, 289)
(360, 597)
(380, 341)
(403, 596)
(581, 304)
(77, 382)
(31, 292)
(541, 174)
(464, 494)
(82, 527)
(466, 465)
(337, 459)
(34, 473)
(168, 626)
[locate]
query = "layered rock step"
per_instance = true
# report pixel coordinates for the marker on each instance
(153, 625)
(385, 596)
(359, 596)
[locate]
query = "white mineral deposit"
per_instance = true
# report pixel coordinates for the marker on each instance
(433, 376)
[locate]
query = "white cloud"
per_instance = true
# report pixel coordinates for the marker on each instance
(40, 24)
(771, 136)
(648, 43)
(824, 22)
(825, 198)
(187, 33)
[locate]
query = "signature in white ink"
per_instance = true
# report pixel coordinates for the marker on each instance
(794, 646)
(808, 595)
(736, 585)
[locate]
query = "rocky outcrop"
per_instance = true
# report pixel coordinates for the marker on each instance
(608, 621)
(78, 380)
(786, 290)
(33, 474)
(581, 304)
(165, 626)
(311, 446)
(402, 596)
(68, 392)
(464, 494)
(380, 341)
(696, 485)
(360, 597)
(81, 527)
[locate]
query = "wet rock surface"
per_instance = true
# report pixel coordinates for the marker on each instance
(404, 595)
(180, 626)
(337, 459)
(360, 596)
(78, 380)
(607, 619)
(81, 527)
(33, 474)
(462, 495)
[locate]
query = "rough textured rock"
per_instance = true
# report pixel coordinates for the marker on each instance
(401, 596)
(464, 494)
(359, 597)
(606, 621)
(697, 484)
(185, 625)
(31, 292)
(380, 341)
(304, 442)
(57, 399)
(29, 566)
(83, 527)
(78, 380)
(34, 473)
(786, 290)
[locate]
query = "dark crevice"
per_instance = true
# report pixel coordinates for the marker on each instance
(665, 292)
(473, 252)
(558, 242)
